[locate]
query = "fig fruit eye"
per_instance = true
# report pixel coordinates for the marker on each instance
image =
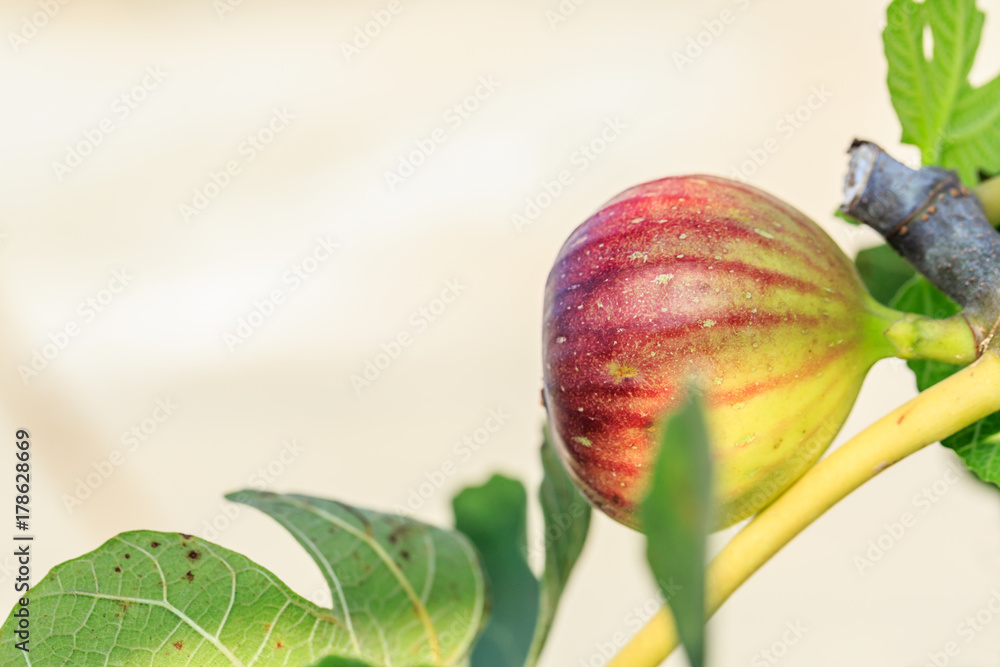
(705, 277)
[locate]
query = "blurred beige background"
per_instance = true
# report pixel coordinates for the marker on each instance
(200, 77)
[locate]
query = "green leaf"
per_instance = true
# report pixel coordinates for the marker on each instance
(677, 516)
(567, 520)
(954, 125)
(979, 447)
(494, 517)
(404, 593)
(978, 444)
(883, 272)
(167, 599)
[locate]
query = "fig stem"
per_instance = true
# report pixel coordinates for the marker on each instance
(951, 340)
(941, 410)
(988, 193)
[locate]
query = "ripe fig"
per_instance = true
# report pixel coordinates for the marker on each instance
(701, 276)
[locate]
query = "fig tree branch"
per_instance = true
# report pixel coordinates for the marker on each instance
(947, 407)
(935, 223)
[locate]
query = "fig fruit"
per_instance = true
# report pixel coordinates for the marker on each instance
(701, 276)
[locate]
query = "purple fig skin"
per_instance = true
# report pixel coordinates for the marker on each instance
(699, 276)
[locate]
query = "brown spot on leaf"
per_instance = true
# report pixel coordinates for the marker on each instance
(118, 569)
(405, 554)
(184, 536)
(189, 576)
(278, 644)
(179, 645)
(398, 533)
(194, 555)
(155, 544)
(128, 555)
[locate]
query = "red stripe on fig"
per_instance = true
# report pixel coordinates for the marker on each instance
(701, 276)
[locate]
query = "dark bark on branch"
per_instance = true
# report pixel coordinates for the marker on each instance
(935, 223)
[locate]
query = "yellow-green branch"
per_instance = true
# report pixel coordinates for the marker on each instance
(941, 410)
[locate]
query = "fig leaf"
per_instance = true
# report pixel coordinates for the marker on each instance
(954, 124)
(677, 516)
(403, 592)
(494, 516)
(567, 520)
(883, 272)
